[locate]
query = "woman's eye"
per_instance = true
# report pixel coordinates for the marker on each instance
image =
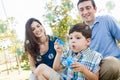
(33, 29)
(38, 26)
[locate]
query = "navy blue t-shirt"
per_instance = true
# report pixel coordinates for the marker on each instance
(48, 58)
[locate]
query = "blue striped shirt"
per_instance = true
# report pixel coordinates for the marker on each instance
(105, 32)
(90, 59)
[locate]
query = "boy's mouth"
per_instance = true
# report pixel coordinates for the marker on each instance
(73, 46)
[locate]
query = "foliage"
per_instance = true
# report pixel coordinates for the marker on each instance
(10, 44)
(25, 66)
(59, 17)
(9, 39)
(3, 26)
(8, 35)
(24, 58)
(5, 31)
(110, 5)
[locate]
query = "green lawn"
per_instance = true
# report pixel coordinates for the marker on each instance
(14, 73)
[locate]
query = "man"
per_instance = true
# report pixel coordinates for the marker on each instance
(105, 34)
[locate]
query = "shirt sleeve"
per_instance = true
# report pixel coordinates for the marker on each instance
(114, 27)
(97, 60)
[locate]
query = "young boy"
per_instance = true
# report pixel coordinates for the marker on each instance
(79, 63)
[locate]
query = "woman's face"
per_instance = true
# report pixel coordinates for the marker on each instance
(37, 29)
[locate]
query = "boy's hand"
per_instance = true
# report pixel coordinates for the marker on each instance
(77, 67)
(58, 48)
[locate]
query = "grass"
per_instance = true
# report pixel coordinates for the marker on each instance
(15, 73)
(25, 67)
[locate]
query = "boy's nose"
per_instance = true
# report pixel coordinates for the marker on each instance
(73, 41)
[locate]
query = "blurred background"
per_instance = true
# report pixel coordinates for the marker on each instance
(57, 16)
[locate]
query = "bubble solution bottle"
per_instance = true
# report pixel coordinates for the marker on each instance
(68, 61)
(65, 46)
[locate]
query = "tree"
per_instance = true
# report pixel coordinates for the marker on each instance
(60, 18)
(110, 5)
(8, 38)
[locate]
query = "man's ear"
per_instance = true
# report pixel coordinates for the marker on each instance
(88, 41)
(95, 9)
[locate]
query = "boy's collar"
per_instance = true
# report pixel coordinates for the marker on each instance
(84, 51)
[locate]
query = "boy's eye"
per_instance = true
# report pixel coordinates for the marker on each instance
(77, 37)
(70, 37)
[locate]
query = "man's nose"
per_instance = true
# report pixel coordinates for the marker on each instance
(85, 11)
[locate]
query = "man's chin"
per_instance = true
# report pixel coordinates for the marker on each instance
(87, 21)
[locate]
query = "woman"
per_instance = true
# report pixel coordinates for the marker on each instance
(38, 46)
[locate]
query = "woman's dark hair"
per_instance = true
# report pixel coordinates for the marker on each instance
(92, 1)
(82, 28)
(31, 42)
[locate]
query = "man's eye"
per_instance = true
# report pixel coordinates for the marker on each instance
(81, 9)
(88, 7)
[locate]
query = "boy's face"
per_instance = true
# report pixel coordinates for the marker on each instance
(78, 42)
(87, 11)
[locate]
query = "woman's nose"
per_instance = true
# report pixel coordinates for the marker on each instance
(36, 29)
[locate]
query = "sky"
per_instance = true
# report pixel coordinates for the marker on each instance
(22, 10)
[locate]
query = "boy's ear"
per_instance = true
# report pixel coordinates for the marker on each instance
(88, 41)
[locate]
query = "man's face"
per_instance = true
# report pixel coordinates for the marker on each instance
(87, 11)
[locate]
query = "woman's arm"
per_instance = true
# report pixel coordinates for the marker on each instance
(32, 63)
